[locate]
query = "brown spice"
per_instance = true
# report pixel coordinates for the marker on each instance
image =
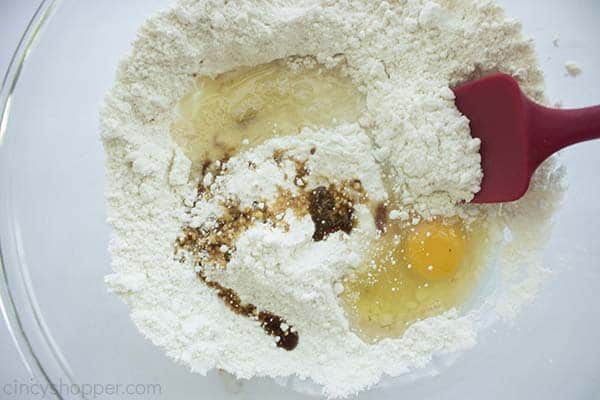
(287, 201)
(278, 156)
(215, 168)
(302, 172)
(272, 324)
(203, 171)
(331, 211)
(218, 242)
(381, 217)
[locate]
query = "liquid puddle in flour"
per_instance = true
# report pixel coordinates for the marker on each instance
(247, 106)
(416, 269)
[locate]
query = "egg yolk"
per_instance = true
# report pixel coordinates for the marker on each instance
(413, 272)
(435, 250)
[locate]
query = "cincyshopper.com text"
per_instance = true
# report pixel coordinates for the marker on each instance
(34, 390)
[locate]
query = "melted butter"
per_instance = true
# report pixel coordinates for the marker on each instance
(249, 105)
(412, 273)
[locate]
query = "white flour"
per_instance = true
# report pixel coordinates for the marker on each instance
(404, 55)
(573, 68)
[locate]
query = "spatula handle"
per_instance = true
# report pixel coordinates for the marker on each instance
(552, 129)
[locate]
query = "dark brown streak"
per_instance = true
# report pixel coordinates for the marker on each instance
(271, 323)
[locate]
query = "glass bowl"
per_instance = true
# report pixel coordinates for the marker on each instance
(70, 330)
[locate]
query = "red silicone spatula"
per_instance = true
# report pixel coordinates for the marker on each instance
(517, 134)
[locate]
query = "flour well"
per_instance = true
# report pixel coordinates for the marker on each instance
(409, 147)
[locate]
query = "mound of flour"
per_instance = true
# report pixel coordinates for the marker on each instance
(404, 55)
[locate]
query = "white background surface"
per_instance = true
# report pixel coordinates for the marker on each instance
(567, 338)
(14, 16)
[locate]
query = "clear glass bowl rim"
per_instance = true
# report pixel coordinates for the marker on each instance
(16, 317)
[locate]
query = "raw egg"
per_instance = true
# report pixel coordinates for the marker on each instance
(412, 272)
